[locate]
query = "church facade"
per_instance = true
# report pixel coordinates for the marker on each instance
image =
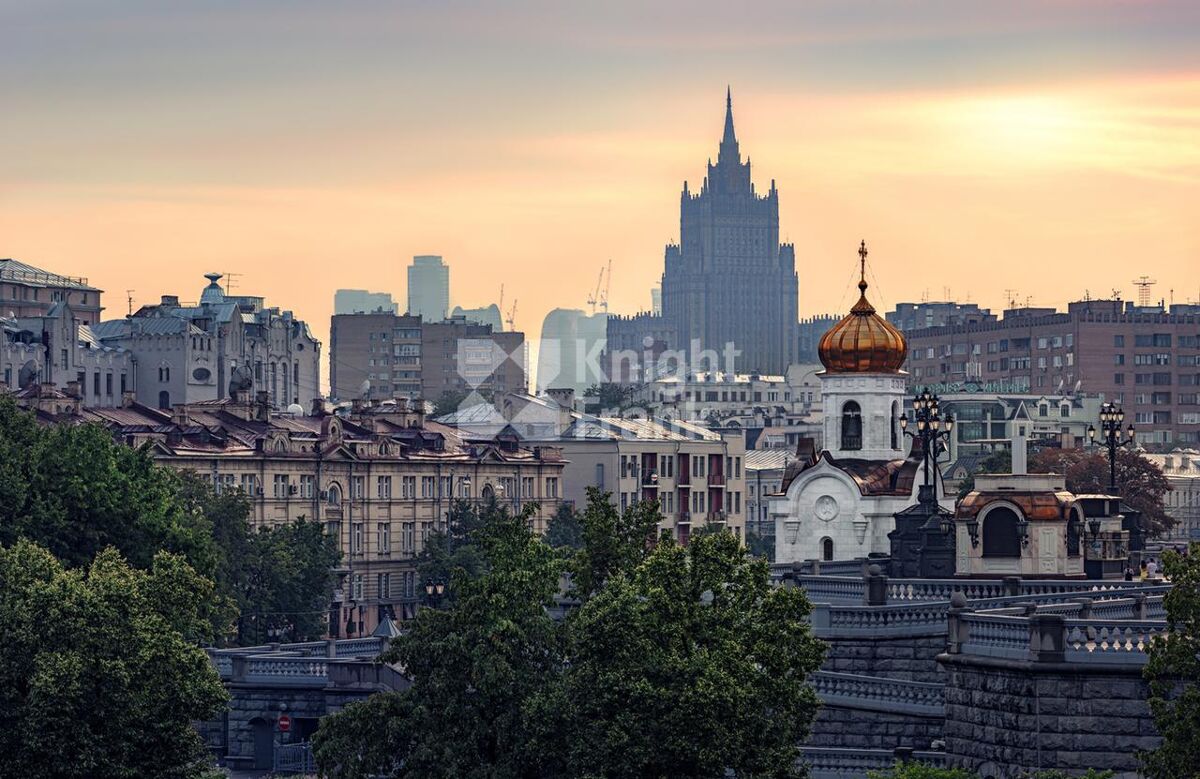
(729, 279)
(839, 504)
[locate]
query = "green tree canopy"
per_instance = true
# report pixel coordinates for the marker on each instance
(99, 676)
(1174, 672)
(564, 530)
(678, 662)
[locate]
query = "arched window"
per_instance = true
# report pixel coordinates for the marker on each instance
(335, 495)
(895, 425)
(852, 432)
(1001, 538)
(826, 548)
(164, 400)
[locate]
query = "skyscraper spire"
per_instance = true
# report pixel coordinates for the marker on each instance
(729, 138)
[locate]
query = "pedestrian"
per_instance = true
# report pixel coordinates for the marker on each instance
(1151, 568)
(1128, 573)
(1143, 573)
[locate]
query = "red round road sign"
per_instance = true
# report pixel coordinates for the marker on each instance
(285, 723)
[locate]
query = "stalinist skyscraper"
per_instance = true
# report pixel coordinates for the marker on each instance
(729, 279)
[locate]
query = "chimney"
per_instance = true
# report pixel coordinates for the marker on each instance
(262, 406)
(563, 396)
(180, 416)
(318, 407)
(128, 398)
(170, 300)
(1020, 450)
(72, 390)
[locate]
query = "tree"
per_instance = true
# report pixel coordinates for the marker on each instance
(450, 401)
(74, 490)
(612, 540)
(1174, 672)
(456, 548)
(474, 665)
(609, 395)
(99, 675)
(1141, 482)
(564, 530)
(689, 664)
(283, 585)
(679, 662)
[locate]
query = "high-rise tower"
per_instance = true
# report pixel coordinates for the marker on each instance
(729, 279)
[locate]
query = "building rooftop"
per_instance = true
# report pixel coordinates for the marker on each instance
(23, 273)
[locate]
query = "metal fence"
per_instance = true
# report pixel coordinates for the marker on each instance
(294, 759)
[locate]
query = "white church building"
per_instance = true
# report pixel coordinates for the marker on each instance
(838, 504)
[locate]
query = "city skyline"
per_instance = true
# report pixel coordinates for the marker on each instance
(310, 151)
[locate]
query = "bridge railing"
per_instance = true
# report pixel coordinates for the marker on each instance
(839, 763)
(1040, 635)
(880, 694)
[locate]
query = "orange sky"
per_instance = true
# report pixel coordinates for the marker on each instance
(1051, 151)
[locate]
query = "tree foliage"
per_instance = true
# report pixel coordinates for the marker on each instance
(1141, 482)
(99, 676)
(996, 462)
(75, 491)
(1174, 672)
(678, 662)
(565, 530)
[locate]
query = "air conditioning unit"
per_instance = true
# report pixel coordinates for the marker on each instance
(293, 489)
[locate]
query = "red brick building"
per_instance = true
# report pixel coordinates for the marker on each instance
(1146, 359)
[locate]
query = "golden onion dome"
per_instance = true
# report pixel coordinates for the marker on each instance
(863, 341)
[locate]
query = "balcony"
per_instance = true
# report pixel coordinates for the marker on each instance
(716, 480)
(716, 517)
(684, 518)
(684, 480)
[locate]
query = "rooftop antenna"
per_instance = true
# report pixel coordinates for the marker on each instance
(230, 280)
(1143, 283)
(1011, 294)
(129, 299)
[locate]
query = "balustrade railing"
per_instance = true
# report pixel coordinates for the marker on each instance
(839, 763)
(878, 693)
(995, 635)
(834, 589)
(899, 619)
(284, 670)
(1110, 640)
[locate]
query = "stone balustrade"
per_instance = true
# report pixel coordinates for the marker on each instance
(879, 693)
(834, 589)
(1041, 635)
(837, 763)
(878, 621)
(1108, 640)
(281, 670)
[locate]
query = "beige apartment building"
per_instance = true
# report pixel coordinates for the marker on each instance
(697, 475)
(381, 479)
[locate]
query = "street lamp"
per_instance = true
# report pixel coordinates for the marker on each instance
(1113, 437)
(434, 590)
(932, 427)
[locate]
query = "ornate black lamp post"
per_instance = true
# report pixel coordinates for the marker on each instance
(434, 590)
(923, 542)
(1112, 437)
(931, 428)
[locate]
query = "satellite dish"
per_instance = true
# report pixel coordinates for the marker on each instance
(296, 410)
(242, 380)
(365, 388)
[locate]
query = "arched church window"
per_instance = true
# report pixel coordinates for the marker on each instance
(852, 431)
(1001, 537)
(826, 548)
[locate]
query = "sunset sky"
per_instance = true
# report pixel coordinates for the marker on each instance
(1049, 148)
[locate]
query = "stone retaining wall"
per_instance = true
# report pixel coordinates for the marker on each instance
(912, 658)
(837, 726)
(1006, 718)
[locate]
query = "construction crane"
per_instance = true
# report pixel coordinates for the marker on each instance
(1144, 283)
(594, 298)
(607, 285)
(501, 306)
(512, 315)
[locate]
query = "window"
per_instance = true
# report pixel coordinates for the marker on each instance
(249, 484)
(356, 591)
(334, 495)
(428, 486)
(356, 538)
(383, 487)
(1118, 359)
(164, 400)
(383, 539)
(851, 427)
(526, 486)
(108, 384)
(384, 584)
(600, 475)
(552, 486)
(408, 487)
(408, 537)
(307, 485)
(1001, 538)
(826, 548)
(1118, 341)
(280, 485)
(358, 487)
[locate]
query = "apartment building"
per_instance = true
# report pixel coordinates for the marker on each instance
(26, 291)
(390, 355)
(696, 475)
(1147, 359)
(381, 479)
